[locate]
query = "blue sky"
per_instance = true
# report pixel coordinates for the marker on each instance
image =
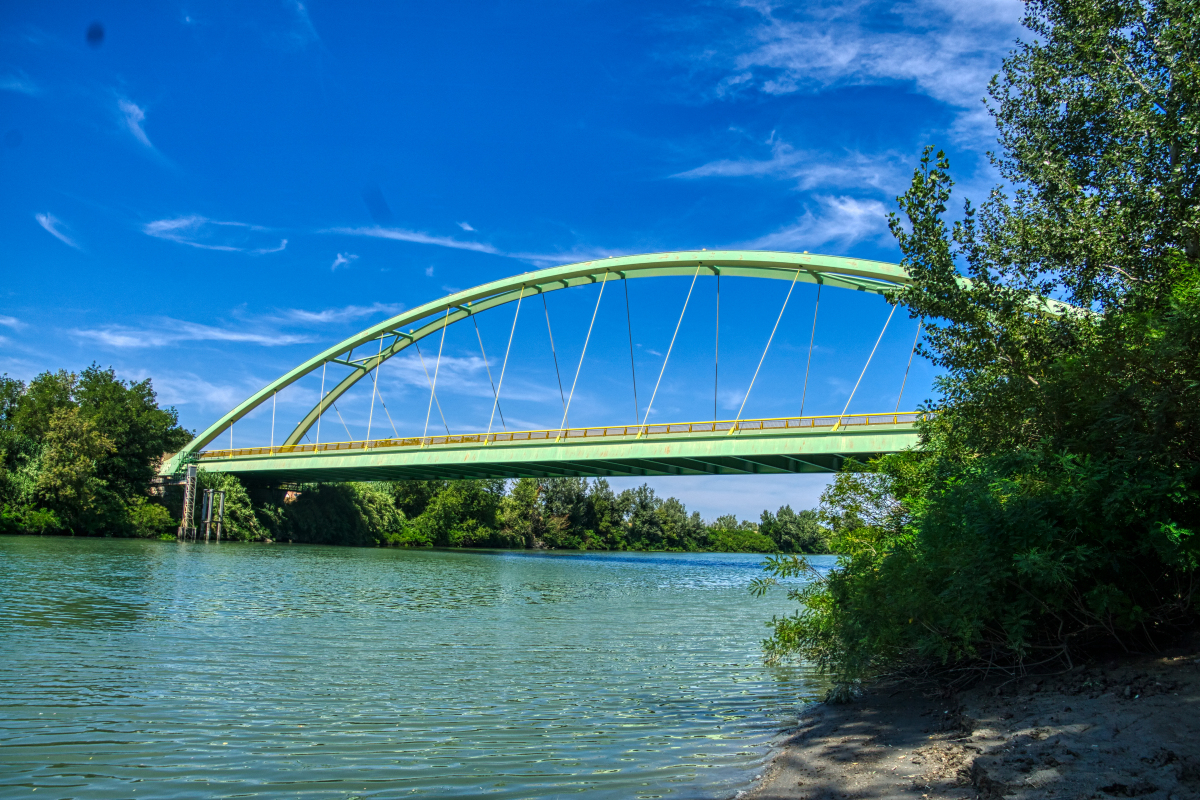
(209, 193)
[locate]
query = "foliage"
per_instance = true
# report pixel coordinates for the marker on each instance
(343, 513)
(68, 481)
(241, 523)
(150, 520)
(739, 540)
(77, 453)
(794, 533)
(128, 415)
(1055, 503)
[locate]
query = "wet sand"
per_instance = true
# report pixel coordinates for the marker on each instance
(1124, 727)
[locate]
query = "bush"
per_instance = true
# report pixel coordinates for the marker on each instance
(344, 513)
(148, 520)
(738, 541)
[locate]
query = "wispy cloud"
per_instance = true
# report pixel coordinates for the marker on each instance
(166, 331)
(945, 49)
(459, 375)
(53, 226)
(183, 389)
(402, 235)
(344, 314)
(211, 234)
(466, 226)
(302, 31)
(133, 116)
(11, 322)
(573, 256)
(809, 169)
(843, 220)
(343, 260)
(22, 84)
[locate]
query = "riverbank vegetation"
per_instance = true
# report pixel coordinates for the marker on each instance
(1054, 506)
(78, 454)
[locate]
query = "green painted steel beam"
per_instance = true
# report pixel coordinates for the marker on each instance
(759, 452)
(429, 319)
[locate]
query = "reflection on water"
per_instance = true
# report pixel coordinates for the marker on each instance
(150, 669)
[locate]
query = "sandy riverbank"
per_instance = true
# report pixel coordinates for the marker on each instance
(1126, 727)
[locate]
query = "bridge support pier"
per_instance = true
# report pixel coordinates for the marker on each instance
(186, 528)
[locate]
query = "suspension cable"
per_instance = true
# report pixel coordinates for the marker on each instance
(917, 338)
(395, 432)
(554, 354)
(375, 387)
(765, 349)
(587, 339)
(349, 435)
(430, 382)
(717, 347)
(488, 367)
(668, 356)
(504, 366)
(812, 338)
(632, 369)
(864, 369)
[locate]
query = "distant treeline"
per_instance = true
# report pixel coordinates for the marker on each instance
(78, 454)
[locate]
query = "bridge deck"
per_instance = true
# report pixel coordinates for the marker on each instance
(764, 446)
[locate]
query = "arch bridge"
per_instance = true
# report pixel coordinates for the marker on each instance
(713, 447)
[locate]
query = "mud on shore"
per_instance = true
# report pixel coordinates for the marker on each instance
(1125, 727)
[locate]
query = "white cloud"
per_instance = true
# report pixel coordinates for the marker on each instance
(885, 171)
(303, 32)
(182, 389)
(945, 49)
(429, 271)
(211, 234)
(843, 220)
(402, 235)
(342, 260)
(134, 116)
(466, 226)
(20, 84)
(167, 331)
(11, 322)
(52, 224)
(462, 375)
(574, 256)
(344, 314)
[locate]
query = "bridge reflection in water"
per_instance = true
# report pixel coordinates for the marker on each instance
(730, 447)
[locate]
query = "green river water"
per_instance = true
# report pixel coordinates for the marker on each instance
(162, 670)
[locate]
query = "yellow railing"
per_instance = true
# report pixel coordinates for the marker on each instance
(826, 424)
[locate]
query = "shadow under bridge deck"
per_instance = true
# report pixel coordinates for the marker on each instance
(744, 447)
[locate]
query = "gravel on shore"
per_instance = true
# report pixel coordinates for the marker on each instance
(1128, 726)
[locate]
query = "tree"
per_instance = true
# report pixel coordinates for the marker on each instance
(127, 413)
(463, 514)
(794, 533)
(11, 391)
(1055, 503)
(46, 394)
(68, 480)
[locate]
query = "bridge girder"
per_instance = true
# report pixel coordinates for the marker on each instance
(411, 326)
(746, 453)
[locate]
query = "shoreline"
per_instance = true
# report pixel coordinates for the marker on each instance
(1117, 727)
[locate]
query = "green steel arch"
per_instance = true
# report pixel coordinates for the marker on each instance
(429, 319)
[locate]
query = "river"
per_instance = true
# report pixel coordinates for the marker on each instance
(164, 670)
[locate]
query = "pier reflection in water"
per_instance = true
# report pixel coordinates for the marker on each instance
(155, 669)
